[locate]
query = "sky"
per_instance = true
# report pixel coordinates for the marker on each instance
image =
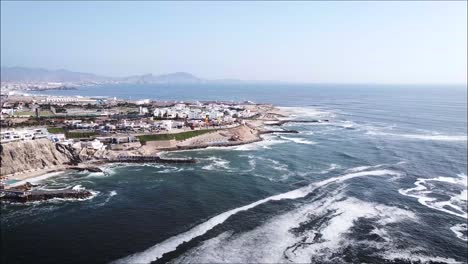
(331, 42)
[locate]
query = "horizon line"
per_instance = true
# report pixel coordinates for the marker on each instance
(245, 80)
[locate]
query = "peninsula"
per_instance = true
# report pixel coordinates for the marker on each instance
(44, 134)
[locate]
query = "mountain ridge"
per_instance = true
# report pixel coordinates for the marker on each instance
(26, 74)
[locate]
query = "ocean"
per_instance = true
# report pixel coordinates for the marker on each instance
(384, 181)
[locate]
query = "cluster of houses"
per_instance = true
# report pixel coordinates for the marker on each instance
(22, 134)
(212, 111)
(14, 135)
(104, 117)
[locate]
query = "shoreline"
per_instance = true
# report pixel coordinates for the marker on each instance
(249, 132)
(22, 178)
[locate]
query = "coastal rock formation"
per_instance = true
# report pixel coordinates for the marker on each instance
(21, 156)
(20, 196)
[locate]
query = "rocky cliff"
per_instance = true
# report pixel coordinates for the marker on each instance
(34, 154)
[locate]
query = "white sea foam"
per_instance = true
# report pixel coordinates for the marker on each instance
(266, 143)
(109, 196)
(306, 112)
(107, 170)
(274, 163)
(172, 243)
(273, 241)
(170, 170)
(435, 136)
(348, 124)
(216, 164)
(362, 168)
(37, 179)
(332, 167)
(457, 202)
(416, 258)
(299, 140)
(460, 231)
(78, 188)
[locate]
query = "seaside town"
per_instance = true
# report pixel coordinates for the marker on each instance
(43, 133)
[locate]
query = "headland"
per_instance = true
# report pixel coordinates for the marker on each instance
(45, 134)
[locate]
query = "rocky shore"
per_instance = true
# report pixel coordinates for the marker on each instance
(23, 160)
(22, 196)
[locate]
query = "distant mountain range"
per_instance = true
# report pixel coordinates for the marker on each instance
(23, 74)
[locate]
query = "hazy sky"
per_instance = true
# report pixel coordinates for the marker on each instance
(377, 42)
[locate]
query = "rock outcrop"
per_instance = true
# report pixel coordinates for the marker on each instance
(20, 196)
(28, 155)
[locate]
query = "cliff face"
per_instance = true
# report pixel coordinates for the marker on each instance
(34, 154)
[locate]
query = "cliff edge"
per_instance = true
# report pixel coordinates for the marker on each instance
(21, 156)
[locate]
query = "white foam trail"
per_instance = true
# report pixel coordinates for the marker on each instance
(458, 230)
(435, 137)
(348, 124)
(170, 244)
(332, 167)
(78, 188)
(363, 168)
(217, 164)
(417, 258)
(457, 201)
(306, 112)
(273, 241)
(275, 164)
(36, 179)
(170, 170)
(299, 140)
(112, 193)
(266, 143)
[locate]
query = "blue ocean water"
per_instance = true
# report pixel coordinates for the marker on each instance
(384, 180)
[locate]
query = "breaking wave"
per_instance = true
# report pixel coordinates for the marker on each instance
(461, 231)
(306, 112)
(172, 243)
(37, 179)
(332, 167)
(314, 233)
(299, 140)
(431, 193)
(266, 143)
(217, 164)
(435, 137)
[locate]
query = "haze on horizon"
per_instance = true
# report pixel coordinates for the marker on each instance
(337, 42)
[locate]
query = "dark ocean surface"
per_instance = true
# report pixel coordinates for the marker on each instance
(384, 180)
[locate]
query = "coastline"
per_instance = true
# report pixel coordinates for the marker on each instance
(247, 133)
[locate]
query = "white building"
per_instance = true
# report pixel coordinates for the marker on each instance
(95, 144)
(57, 99)
(167, 124)
(143, 110)
(141, 102)
(22, 134)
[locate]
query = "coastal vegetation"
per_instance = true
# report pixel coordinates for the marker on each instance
(80, 134)
(177, 136)
(56, 130)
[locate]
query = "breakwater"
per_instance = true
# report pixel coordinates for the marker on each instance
(279, 132)
(90, 169)
(282, 122)
(153, 159)
(217, 144)
(22, 196)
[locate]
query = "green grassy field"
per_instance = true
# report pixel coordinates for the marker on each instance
(79, 134)
(56, 130)
(176, 136)
(24, 113)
